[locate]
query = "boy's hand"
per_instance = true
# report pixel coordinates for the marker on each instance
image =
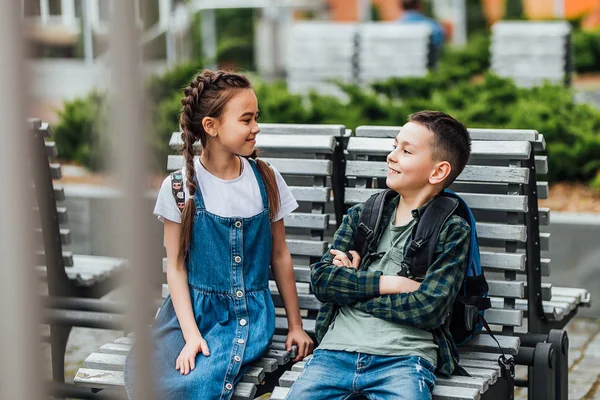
(341, 258)
(297, 336)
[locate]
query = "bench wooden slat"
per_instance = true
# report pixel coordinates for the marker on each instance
(103, 361)
(501, 150)
(254, 375)
(475, 382)
(378, 169)
(61, 213)
(477, 201)
(306, 247)
(475, 133)
(482, 342)
(99, 379)
(55, 171)
(311, 194)
(582, 294)
(286, 166)
(65, 236)
(51, 150)
(487, 230)
(281, 143)
(510, 289)
(115, 348)
(302, 129)
(504, 317)
(541, 165)
(508, 261)
(307, 220)
(59, 192)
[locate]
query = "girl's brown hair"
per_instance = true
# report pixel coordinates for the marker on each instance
(207, 96)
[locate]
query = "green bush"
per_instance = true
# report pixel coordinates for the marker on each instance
(79, 135)
(586, 50)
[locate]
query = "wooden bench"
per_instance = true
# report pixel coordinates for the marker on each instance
(320, 52)
(532, 52)
(67, 280)
(304, 155)
(386, 50)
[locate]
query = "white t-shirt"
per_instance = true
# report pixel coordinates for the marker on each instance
(239, 197)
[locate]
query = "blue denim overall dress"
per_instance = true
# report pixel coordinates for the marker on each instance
(228, 275)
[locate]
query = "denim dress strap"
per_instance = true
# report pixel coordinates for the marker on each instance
(261, 184)
(198, 199)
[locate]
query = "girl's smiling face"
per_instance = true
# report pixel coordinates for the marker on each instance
(238, 125)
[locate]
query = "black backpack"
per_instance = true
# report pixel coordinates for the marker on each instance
(466, 318)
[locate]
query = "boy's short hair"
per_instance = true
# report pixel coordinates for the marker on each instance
(451, 141)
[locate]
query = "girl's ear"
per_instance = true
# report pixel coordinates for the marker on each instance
(210, 126)
(440, 172)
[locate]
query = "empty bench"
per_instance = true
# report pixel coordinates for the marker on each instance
(532, 52)
(67, 279)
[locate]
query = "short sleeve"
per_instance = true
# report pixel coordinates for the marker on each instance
(287, 203)
(166, 207)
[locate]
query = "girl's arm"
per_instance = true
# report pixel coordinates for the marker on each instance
(283, 270)
(177, 281)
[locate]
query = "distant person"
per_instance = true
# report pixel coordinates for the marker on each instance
(413, 13)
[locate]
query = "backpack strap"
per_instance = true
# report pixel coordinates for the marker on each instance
(419, 253)
(177, 189)
(369, 229)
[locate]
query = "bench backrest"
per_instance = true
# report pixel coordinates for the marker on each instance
(388, 50)
(319, 52)
(532, 52)
(305, 157)
(51, 231)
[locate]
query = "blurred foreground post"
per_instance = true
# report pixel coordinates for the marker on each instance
(20, 360)
(130, 146)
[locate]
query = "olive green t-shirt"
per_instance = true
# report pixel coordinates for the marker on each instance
(356, 331)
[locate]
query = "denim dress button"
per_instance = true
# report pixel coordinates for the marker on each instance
(238, 259)
(229, 386)
(240, 341)
(239, 293)
(237, 358)
(238, 224)
(243, 322)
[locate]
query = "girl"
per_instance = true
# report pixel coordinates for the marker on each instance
(220, 318)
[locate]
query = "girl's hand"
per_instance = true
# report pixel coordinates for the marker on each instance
(341, 258)
(186, 361)
(298, 337)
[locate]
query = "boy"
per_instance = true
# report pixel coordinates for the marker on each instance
(382, 335)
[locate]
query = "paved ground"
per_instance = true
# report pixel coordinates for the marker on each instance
(584, 361)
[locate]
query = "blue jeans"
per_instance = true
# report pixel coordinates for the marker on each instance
(342, 375)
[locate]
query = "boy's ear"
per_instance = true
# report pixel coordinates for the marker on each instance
(210, 125)
(440, 172)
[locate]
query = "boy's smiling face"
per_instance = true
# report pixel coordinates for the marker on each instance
(411, 163)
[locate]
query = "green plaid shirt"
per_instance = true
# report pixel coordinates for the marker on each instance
(426, 308)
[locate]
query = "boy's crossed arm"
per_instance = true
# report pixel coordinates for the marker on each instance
(345, 286)
(428, 307)
(393, 298)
